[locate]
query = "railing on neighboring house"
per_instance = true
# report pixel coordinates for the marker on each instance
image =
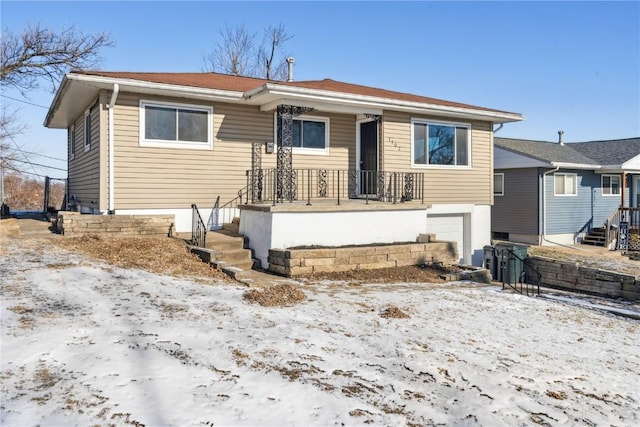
(266, 185)
(198, 228)
(631, 216)
(611, 226)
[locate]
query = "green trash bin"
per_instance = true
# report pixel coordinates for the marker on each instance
(509, 260)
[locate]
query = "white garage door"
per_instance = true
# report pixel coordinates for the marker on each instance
(449, 228)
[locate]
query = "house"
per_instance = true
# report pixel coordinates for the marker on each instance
(557, 193)
(393, 165)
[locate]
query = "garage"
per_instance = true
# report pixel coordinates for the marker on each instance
(449, 227)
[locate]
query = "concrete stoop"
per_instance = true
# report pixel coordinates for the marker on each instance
(225, 251)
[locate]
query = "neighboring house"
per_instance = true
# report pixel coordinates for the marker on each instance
(555, 193)
(154, 143)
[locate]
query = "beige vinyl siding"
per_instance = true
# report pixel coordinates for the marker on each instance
(84, 168)
(442, 185)
(153, 178)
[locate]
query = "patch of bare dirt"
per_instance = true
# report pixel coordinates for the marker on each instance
(9, 228)
(393, 312)
(276, 296)
(411, 273)
(153, 254)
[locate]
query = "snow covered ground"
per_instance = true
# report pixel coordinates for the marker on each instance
(85, 343)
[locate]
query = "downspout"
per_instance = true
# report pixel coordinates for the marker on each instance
(112, 103)
(544, 204)
(544, 212)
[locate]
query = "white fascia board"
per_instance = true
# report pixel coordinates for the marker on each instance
(140, 86)
(575, 166)
(321, 106)
(268, 90)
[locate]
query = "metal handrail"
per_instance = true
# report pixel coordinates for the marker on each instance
(198, 228)
(525, 277)
(264, 185)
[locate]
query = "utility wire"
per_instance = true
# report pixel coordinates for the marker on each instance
(20, 149)
(23, 101)
(32, 163)
(30, 173)
(42, 155)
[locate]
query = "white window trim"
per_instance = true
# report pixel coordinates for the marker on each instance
(494, 178)
(611, 194)
(86, 137)
(158, 143)
(302, 150)
(565, 174)
(72, 142)
(443, 123)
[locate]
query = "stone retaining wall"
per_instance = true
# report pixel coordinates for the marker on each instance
(74, 224)
(297, 262)
(572, 276)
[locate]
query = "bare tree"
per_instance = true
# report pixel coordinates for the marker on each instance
(236, 53)
(39, 53)
(274, 39)
(233, 53)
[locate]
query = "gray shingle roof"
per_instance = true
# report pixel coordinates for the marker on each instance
(544, 151)
(608, 153)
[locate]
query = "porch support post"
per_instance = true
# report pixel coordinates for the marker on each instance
(285, 175)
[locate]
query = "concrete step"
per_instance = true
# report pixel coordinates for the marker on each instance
(232, 256)
(223, 242)
(231, 227)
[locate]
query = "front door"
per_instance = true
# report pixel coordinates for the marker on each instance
(368, 157)
(635, 195)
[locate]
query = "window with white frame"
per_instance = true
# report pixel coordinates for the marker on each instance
(565, 184)
(610, 185)
(498, 184)
(175, 125)
(87, 129)
(72, 142)
(310, 134)
(440, 144)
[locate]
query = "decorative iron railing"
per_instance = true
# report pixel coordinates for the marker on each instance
(198, 228)
(264, 185)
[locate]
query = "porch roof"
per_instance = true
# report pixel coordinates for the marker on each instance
(78, 88)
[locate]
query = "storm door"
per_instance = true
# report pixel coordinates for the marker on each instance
(368, 157)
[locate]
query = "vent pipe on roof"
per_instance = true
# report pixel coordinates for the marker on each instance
(560, 133)
(290, 61)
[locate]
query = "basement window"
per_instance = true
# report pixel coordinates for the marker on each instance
(175, 126)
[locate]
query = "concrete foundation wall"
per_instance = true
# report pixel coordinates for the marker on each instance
(297, 262)
(571, 276)
(73, 224)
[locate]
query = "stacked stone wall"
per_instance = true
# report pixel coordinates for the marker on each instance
(297, 262)
(73, 224)
(574, 277)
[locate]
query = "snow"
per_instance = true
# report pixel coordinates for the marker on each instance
(85, 343)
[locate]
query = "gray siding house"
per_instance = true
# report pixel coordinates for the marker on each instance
(549, 193)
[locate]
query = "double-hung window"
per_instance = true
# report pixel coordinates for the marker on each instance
(565, 184)
(498, 184)
(440, 144)
(175, 125)
(610, 185)
(309, 134)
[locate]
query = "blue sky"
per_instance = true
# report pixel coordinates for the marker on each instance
(573, 66)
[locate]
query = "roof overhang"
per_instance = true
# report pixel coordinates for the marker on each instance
(567, 165)
(270, 95)
(77, 91)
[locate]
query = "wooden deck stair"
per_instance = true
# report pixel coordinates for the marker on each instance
(595, 237)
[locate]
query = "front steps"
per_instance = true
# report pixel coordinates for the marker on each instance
(596, 237)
